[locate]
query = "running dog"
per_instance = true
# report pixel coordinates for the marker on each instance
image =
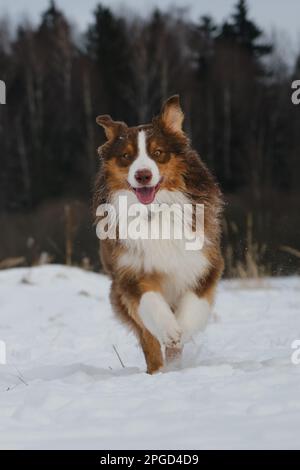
(163, 290)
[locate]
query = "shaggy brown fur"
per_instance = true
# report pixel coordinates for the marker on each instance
(182, 170)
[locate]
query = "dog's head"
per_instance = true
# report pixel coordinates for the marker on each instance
(146, 158)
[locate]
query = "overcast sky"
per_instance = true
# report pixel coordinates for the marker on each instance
(282, 14)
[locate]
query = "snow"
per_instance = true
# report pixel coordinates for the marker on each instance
(64, 387)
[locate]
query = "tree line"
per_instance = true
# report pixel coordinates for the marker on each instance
(235, 93)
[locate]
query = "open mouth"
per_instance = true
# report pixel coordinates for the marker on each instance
(146, 194)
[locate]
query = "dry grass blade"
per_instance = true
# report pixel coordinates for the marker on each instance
(119, 357)
(289, 249)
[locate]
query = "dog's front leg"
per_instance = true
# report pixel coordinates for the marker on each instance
(141, 300)
(159, 319)
(192, 315)
(195, 306)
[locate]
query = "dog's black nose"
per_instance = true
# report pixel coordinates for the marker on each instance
(143, 176)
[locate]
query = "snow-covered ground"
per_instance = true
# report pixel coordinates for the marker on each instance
(64, 387)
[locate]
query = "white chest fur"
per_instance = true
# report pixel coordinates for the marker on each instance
(181, 267)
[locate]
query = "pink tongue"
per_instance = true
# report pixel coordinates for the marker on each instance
(145, 195)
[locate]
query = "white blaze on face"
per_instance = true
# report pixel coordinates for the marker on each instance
(143, 162)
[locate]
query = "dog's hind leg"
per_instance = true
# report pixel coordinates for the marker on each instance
(152, 351)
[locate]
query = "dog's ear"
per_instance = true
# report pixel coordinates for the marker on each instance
(112, 128)
(171, 115)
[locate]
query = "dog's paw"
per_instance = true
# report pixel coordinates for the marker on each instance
(160, 320)
(170, 333)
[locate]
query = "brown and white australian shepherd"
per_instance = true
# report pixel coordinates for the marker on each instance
(163, 290)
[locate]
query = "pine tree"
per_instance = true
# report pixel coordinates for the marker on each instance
(108, 46)
(244, 32)
(55, 51)
(204, 36)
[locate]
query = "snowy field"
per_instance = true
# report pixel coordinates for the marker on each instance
(64, 387)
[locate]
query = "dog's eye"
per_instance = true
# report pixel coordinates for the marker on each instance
(126, 156)
(157, 153)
